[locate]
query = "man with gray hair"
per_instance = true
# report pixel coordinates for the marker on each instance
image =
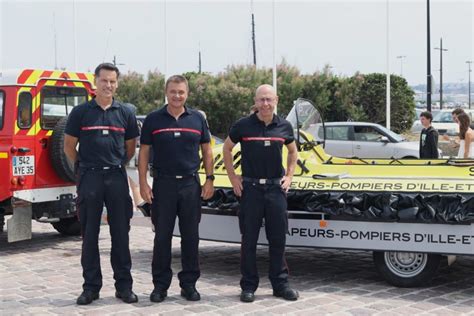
(262, 189)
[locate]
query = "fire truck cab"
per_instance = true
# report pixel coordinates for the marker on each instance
(37, 180)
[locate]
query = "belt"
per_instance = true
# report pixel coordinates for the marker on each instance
(262, 181)
(106, 168)
(156, 174)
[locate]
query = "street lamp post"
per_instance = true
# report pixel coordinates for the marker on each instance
(387, 88)
(401, 64)
(428, 59)
(441, 49)
(199, 61)
(469, 62)
(254, 49)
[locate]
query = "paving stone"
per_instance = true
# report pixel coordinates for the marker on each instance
(443, 312)
(331, 308)
(469, 302)
(380, 307)
(387, 313)
(361, 311)
(12, 305)
(307, 313)
(460, 308)
(441, 301)
(357, 292)
(43, 276)
(348, 304)
(200, 308)
(425, 306)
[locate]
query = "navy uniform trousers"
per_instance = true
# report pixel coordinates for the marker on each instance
(258, 202)
(96, 187)
(182, 198)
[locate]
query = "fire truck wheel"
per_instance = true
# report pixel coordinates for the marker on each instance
(406, 269)
(68, 226)
(61, 164)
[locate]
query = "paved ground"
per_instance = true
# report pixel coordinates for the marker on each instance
(43, 276)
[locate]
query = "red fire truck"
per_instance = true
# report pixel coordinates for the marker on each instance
(37, 181)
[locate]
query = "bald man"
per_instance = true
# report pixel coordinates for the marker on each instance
(262, 189)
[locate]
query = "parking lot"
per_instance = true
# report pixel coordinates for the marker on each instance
(43, 276)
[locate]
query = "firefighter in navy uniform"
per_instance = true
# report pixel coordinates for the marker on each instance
(106, 131)
(175, 133)
(262, 188)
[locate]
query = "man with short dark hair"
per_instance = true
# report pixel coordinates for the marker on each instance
(175, 134)
(428, 138)
(106, 131)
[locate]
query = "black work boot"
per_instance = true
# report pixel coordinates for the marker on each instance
(87, 297)
(190, 293)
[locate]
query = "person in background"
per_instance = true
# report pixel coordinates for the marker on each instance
(428, 137)
(466, 134)
(138, 202)
(454, 114)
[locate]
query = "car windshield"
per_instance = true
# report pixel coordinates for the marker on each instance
(443, 117)
(398, 138)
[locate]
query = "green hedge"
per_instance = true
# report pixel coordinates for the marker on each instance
(227, 96)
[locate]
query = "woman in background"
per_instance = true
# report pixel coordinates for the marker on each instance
(466, 134)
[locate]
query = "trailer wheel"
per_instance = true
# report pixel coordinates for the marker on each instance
(406, 269)
(61, 164)
(68, 226)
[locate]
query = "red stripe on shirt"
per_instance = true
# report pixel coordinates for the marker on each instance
(176, 130)
(112, 128)
(276, 139)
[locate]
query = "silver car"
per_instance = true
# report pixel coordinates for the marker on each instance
(364, 140)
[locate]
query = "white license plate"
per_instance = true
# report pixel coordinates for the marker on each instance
(23, 165)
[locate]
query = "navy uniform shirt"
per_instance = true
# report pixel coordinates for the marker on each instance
(175, 142)
(262, 145)
(102, 134)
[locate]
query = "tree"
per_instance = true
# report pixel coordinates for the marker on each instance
(227, 96)
(129, 88)
(145, 95)
(153, 92)
(371, 98)
(223, 100)
(290, 85)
